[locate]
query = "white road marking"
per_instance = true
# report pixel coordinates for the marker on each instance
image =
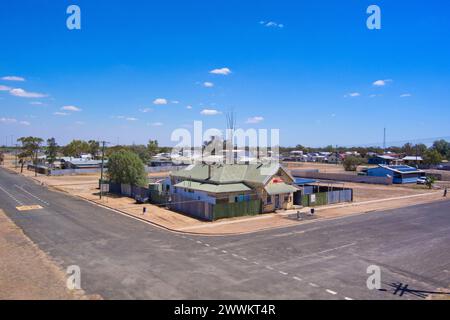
(235, 255)
(224, 251)
(297, 278)
(199, 242)
(347, 298)
(313, 285)
(330, 291)
(283, 273)
(11, 196)
(328, 250)
(269, 267)
(29, 193)
(257, 263)
(206, 244)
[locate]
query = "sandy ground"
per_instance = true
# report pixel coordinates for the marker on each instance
(26, 272)
(385, 197)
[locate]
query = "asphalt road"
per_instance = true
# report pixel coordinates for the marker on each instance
(122, 258)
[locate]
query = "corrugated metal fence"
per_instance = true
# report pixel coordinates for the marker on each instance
(342, 177)
(324, 198)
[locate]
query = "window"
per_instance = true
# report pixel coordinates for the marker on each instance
(269, 199)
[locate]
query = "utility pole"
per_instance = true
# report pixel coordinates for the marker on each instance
(16, 150)
(101, 171)
(417, 157)
(384, 140)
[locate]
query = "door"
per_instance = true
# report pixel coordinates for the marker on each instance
(277, 201)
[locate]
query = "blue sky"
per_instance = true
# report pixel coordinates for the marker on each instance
(308, 70)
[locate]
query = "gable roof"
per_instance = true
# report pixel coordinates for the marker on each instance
(280, 188)
(213, 188)
(230, 173)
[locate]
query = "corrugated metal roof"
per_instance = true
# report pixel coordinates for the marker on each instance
(402, 169)
(413, 158)
(213, 188)
(230, 173)
(279, 188)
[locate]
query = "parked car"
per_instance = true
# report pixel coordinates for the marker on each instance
(422, 180)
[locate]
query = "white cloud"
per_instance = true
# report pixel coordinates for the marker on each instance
(25, 94)
(221, 71)
(405, 95)
(8, 120)
(57, 113)
(157, 124)
(353, 94)
(175, 102)
(25, 123)
(256, 119)
(208, 84)
(36, 103)
(4, 88)
(131, 119)
(13, 78)
(80, 123)
(189, 107)
(210, 112)
(271, 24)
(71, 108)
(146, 110)
(160, 101)
(381, 83)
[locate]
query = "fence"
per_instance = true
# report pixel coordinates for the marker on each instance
(237, 209)
(324, 198)
(211, 212)
(342, 177)
(163, 169)
(129, 190)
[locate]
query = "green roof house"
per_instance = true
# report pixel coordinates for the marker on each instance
(226, 190)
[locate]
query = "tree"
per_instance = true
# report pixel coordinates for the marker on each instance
(30, 149)
(126, 167)
(94, 148)
(408, 149)
(430, 182)
(443, 147)
(152, 147)
(51, 151)
(432, 156)
(351, 163)
(420, 149)
(2, 157)
(141, 151)
(76, 148)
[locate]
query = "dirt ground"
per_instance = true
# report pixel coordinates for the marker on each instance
(26, 272)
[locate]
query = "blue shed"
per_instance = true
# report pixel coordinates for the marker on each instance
(399, 174)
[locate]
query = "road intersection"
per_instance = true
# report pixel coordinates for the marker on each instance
(122, 258)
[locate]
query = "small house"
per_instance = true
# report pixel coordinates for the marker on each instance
(218, 191)
(401, 174)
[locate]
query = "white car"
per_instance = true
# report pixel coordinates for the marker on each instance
(422, 180)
